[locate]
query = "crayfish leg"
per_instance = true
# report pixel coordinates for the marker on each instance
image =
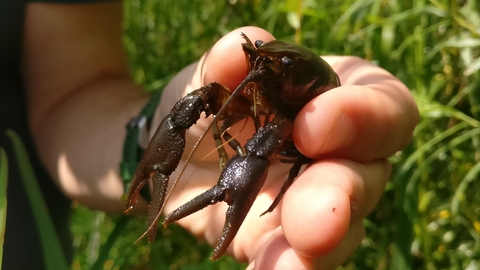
(232, 142)
(221, 135)
(292, 174)
(222, 153)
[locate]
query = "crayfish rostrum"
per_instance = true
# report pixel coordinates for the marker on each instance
(282, 78)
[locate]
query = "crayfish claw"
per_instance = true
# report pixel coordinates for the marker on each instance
(238, 186)
(235, 215)
(213, 195)
(160, 185)
(135, 187)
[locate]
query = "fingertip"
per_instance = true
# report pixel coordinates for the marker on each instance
(355, 122)
(345, 249)
(226, 63)
(277, 253)
(315, 218)
(381, 108)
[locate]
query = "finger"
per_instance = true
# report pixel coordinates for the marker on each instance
(344, 250)
(371, 116)
(276, 253)
(225, 62)
(320, 205)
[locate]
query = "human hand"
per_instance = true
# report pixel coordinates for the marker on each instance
(318, 224)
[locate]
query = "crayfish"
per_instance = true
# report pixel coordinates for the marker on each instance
(282, 78)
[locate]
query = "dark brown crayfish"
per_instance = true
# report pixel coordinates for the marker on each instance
(282, 78)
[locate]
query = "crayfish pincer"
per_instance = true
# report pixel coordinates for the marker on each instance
(282, 78)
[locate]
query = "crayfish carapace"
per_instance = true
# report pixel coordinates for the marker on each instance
(282, 78)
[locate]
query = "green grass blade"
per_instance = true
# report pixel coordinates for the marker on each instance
(453, 144)
(3, 198)
(459, 195)
(120, 226)
(52, 251)
(455, 42)
(348, 14)
(94, 239)
(412, 159)
(429, 108)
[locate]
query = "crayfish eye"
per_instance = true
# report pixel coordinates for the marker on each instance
(259, 43)
(287, 62)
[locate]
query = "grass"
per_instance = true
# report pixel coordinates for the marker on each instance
(429, 216)
(54, 256)
(3, 197)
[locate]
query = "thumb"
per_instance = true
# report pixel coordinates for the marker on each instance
(223, 63)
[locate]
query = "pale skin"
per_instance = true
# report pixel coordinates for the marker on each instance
(81, 96)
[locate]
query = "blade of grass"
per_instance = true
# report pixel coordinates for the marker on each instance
(459, 195)
(412, 159)
(458, 42)
(355, 7)
(120, 225)
(52, 251)
(94, 241)
(3, 198)
(428, 162)
(435, 109)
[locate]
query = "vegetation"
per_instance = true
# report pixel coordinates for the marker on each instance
(429, 216)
